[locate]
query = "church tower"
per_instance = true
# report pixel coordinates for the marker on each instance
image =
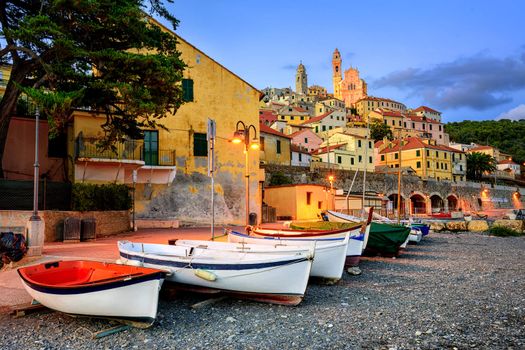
(336, 73)
(301, 80)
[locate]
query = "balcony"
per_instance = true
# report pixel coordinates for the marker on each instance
(129, 150)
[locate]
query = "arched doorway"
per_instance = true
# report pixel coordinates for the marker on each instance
(419, 206)
(436, 203)
(452, 203)
(392, 206)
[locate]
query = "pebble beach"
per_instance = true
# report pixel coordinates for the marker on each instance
(451, 291)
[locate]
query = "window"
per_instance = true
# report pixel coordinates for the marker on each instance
(445, 155)
(369, 144)
(360, 158)
(423, 126)
(261, 145)
(358, 143)
(461, 167)
(405, 124)
(57, 146)
(393, 123)
(308, 198)
(200, 145)
(413, 125)
(430, 126)
(352, 160)
(428, 153)
(339, 160)
(437, 165)
(440, 128)
(396, 155)
(317, 128)
(330, 127)
(278, 147)
(324, 127)
(418, 165)
(382, 157)
(302, 118)
(300, 157)
(437, 154)
(386, 122)
(428, 164)
(187, 90)
(418, 153)
(370, 160)
(292, 117)
(446, 166)
(319, 204)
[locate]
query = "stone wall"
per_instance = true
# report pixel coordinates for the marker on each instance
(108, 222)
(467, 194)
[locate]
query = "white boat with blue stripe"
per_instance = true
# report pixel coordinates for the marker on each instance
(330, 253)
(277, 277)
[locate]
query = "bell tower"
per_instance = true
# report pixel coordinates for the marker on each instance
(336, 73)
(301, 80)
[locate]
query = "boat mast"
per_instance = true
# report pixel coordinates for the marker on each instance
(400, 143)
(367, 139)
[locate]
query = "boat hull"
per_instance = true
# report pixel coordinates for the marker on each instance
(354, 249)
(330, 254)
(273, 279)
(129, 300)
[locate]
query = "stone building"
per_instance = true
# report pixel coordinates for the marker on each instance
(301, 80)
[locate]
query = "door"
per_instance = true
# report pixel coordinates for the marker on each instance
(151, 147)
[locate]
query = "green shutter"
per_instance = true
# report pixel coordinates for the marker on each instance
(200, 145)
(187, 90)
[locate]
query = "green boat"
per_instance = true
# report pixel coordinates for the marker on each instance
(386, 239)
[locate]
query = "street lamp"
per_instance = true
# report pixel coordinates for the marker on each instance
(242, 134)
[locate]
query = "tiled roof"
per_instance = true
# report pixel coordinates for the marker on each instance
(507, 161)
(267, 130)
(267, 115)
(325, 149)
(298, 149)
(426, 109)
(389, 113)
(373, 98)
(480, 148)
(416, 118)
(414, 143)
(316, 119)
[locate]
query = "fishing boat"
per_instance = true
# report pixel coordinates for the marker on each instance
(279, 278)
(384, 239)
(96, 289)
(358, 235)
(330, 253)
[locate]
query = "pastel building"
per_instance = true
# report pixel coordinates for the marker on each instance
(274, 146)
(323, 123)
(307, 139)
(298, 202)
(348, 87)
(367, 104)
(347, 151)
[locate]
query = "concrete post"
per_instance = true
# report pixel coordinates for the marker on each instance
(35, 236)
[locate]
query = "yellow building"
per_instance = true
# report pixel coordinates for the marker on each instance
(428, 159)
(298, 202)
(367, 104)
(172, 164)
(347, 151)
(293, 115)
(274, 147)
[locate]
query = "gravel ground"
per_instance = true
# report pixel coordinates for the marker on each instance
(451, 291)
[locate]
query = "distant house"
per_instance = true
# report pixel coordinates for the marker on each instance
(274, 146)
(512, 168)
(306, 138)
(298, 202)
(300, 156)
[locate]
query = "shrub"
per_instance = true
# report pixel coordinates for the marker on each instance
(501, 231)
(280, 179)
(100, 197)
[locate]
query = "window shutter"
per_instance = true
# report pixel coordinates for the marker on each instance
(187, 90)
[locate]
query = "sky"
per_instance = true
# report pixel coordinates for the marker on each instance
(465, 58)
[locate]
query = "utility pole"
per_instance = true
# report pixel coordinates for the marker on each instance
(399, 180)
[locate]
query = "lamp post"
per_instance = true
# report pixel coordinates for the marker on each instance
(242, 134)
(35, 216)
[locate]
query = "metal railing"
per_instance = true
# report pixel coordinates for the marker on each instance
(126, 150)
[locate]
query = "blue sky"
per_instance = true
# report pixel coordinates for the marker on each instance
(464, 58)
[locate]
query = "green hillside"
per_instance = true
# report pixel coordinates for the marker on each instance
(506, 135)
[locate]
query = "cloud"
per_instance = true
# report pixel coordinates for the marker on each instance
(513, 114)
(290, 66)
(479, 82)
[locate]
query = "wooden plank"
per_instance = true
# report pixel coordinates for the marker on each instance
(26, 309)
(207, 302)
